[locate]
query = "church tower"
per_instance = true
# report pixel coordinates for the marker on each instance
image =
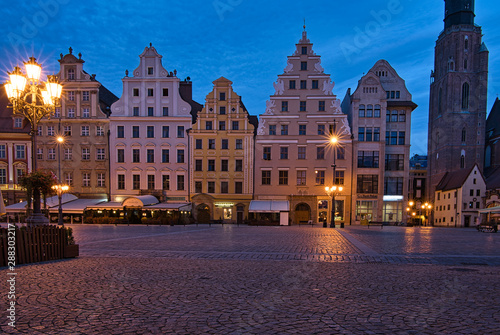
(458, 95)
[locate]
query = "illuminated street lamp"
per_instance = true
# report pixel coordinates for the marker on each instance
(60, 189)
(33, 99)
(426, 207)
(331, 191)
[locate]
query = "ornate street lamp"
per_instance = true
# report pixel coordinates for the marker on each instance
(33, 99)
(426, 207)
(331, 191)
(60, 189)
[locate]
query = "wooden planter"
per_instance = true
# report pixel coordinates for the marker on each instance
(71, 251)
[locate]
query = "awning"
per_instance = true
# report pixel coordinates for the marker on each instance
(77, 206)
(51, 202)
(490, 210)
(269, 206)
(140, 201)
(106, 205)
(172, 206)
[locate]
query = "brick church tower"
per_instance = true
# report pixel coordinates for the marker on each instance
(458, 95)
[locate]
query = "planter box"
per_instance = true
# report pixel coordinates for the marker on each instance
(71, 251)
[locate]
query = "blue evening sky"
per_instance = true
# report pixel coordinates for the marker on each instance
(242, 40)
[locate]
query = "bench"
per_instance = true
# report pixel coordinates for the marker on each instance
(487, 228)
(375, 223)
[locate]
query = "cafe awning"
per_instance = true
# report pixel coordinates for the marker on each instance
(269, 206)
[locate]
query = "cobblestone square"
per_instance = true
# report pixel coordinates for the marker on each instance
(263, 280)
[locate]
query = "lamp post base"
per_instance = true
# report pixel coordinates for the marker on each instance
(37, 219)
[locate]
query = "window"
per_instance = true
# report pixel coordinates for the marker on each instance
(3, 153)
(100, 154)
(301, 177)
(239, 165)
(136, 182)
(320, 153)
(180, 156)
(301, 152)
(464, 135)
(151, 111)
(361, 111)
(85, 131)
(284, 129)
(71, 95)
(151, 181)
(303, 66)
(367, 183)
(368, 159)
(266, 153)
(224, 187)
(150, 155)
(150, 71)
(315, 84)
(369, 111)
(71, 112)
(101, 180)
(39, 154)
(99, 130)
(211, 187)
(135, 131)
(478, 193)
(394, 116)
(120, 155)
(339, 177)
(86, 154)
(222, 125)
(266, 177)
(321, 106)
(401, 138)
(224, 165)
(135, 111)
(67, 130)
(120, 132)
(68, 177)
(283, 152)
(284, 106)
(394, 162)
(180, 131)
(151, 92)
(465, 96)
(302, 106)
(222, 96)
(462, 162)
(86, 113)
(272, 129)
(165, 155)
(320, 177)
(369, 134)
(165, 131)
(239, 144)
(303, 84)
(393, 185)
(50, 130)
(377, 111)
(211, 144)
(361, 134)
(208, 125)
(402, 116)
(20, 154)
(302, 129)
(238, 187)
(86, 179)
(283, 177)
(225, 143)
(471, 193)
(165, 92)
(321, 129)
(291, 84)
(136, 156)
(199, 143)
(51, 154)
(85, 95)
(68, 154)
(150, 131)
(340, 153)
(3, 176)
(57, 112)
(304, 51)
(198, 187)
(236, 125)
(165, 111)
(121, 181)
(135, 92)
(211, 165)
(376, 134)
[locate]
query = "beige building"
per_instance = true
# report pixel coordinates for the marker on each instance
(458, 198)
(293, 157)
(380, 114)
(83, 121)
(221, 145)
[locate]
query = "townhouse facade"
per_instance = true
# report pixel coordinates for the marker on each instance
(222, 157)
(293, 155)
(149, 147)
(379, 111)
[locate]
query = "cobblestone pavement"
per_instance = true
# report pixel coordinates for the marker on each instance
(263, 280)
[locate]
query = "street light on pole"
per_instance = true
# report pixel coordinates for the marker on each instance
(33, 99)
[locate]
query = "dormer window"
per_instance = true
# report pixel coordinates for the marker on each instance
(304, 50)
(150, 71)
(18, 122)
(71, 74)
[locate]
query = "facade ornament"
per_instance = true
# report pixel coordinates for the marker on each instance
(70, 50)
(279, 87)
(270, 104)
(336, 106)
(289, 67)
(318, 66)
(262, 126)
(345, 129)
(126, 73)
(328, 87)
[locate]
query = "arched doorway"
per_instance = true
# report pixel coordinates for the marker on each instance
(302, 213)
(203, 214)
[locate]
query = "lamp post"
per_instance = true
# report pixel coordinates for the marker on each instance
(332, 191)
(426, 207)
(60, 189)
(33, 99)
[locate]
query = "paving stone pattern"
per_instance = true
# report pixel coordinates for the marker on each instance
(263, 280)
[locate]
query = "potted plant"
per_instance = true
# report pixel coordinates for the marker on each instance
(71, 250)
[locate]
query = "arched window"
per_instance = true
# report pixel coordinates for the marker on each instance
(440, 101)
(369, 111)
(377, 111)
(466, 42)
(361, 110)
(465, 64)
(462, 162)
(465, 96)
(464, 135)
